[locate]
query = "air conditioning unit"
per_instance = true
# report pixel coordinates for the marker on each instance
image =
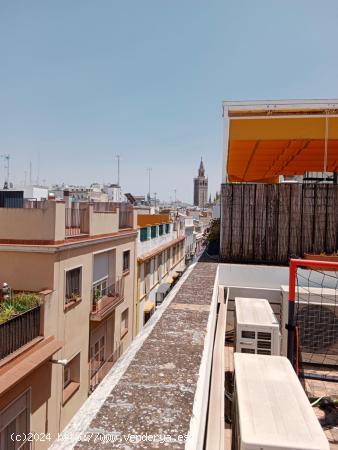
(270, 408)
(316, 317)
(257, 329)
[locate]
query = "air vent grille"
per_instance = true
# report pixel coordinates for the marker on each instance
(248, 334)
(247, 350)
(264, 352)
(264, 344)
(264, 336)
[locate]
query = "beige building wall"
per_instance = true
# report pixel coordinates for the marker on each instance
(73, 325)
(40, 224)
(41, 402)
(27, 270)
(37, 270)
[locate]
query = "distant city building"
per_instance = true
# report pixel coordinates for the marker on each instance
(201, 188)
(160, 261)
(35, 192)
(114, 192)
(94, 193)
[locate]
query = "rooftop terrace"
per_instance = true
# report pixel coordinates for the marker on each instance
(175, 382)
(52, 222)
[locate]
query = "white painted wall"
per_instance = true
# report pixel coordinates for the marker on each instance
(35, 192)
(190, 240)
(153, 244)
(114, 193)
(272, 277)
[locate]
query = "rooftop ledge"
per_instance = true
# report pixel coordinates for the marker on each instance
(52, 222)
(160, 385)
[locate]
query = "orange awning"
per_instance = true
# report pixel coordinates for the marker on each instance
(262, 149)
(148, 307)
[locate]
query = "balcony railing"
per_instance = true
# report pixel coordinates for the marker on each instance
(106, 207)
(126, 216)
(33, 203)
(126, 213)
(19, 331)
(106, 299)
(75, 221)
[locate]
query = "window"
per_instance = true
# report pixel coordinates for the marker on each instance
(100, 288)
(160, 229)
(143, 234)
(71, 378)
(153, 231)
(66, 376)
(159, 266)
(166, 260)
(167, 228)
(155, 269)
(73, 284)
(97, 355)
(147, 276)
(15, 418)
(151, 275)
(142, 280)
(126, 261)
(124, 322)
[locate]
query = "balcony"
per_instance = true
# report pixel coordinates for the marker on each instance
(20, 322)
(125, 211)
(105, 300)
(126, 216)
(97, 218)
(76, 222)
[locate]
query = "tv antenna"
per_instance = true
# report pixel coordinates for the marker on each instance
(6, 158)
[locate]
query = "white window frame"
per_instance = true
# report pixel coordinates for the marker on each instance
(94, 354)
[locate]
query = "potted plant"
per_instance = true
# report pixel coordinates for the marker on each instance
(96, 297)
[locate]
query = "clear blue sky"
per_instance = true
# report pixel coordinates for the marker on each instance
(82, 80)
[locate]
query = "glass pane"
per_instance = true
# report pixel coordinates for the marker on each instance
(66, 376)
(9, 444)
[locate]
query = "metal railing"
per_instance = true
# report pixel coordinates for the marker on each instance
(19, 330)
(75, 221)
(33, 203)
(98, 370)
(126, 214)
(126, 217)
(114, 291)
(106, 207)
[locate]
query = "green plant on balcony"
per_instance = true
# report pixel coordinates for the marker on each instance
(7, 311)
(18, 304)
(96, 295)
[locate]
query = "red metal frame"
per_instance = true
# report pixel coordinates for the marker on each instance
(295, 263)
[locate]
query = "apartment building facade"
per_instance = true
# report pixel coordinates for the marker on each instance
(160, 254)
(81, 261)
